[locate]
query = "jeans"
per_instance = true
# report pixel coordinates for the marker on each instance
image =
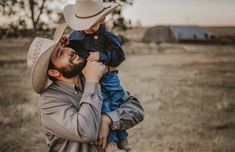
(113, 95)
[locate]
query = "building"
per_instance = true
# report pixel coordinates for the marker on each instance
(160, 34)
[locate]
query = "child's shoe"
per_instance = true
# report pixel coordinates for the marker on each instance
(126, 146)
(112, 147)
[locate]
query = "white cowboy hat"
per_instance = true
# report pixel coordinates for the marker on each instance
(85, 13)
(39, 56)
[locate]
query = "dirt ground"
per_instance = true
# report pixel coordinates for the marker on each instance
(187, 92)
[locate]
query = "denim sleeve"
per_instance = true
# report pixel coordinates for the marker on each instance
(75, 35)
(114, 55)
(104, 57)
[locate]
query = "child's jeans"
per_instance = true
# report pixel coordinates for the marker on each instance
(113, 95)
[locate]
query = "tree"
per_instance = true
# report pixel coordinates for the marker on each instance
(29, 13)
(42, 14)
(118, 21)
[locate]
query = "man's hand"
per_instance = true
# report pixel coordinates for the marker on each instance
(93, 71)
(104, 130)
(64, 40)
(94, 56)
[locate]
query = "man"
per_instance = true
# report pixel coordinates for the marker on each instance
(70, 108)
(87, 18)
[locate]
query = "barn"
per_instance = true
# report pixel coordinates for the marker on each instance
(160, 34)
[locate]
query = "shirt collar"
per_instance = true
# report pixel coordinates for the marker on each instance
(70, 86)
(66, 86)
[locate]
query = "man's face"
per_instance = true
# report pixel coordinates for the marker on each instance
(66, 61)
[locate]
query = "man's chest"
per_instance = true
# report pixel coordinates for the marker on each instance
(74, 99)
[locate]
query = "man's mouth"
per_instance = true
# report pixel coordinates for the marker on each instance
(76, 59)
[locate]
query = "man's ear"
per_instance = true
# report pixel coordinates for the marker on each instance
(53, 73)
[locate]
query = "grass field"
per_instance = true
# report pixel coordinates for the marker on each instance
(187, 91)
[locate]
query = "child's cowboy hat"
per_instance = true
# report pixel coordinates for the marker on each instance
(85, 13)
(39, 56)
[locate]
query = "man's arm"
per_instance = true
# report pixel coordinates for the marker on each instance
(128, 115)
(63, 119)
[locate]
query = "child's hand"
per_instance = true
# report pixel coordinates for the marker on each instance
(94, 56)
(64, 40)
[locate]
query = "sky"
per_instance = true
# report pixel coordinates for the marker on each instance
(177, 12)
(189, 12)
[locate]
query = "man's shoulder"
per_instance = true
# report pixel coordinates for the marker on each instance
(57, 97)
(51, 97)
(51, 92)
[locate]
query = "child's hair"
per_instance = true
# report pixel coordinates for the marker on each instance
(79, 47)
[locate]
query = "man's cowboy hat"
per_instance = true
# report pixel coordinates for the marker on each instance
(85, 13)
(39, 56)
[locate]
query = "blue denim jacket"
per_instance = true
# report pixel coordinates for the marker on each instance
(106, 43)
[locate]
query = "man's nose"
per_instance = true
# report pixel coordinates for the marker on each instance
(72, 53)
(68, 52)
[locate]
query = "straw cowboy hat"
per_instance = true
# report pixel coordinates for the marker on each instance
(85, 13)
(39, 56)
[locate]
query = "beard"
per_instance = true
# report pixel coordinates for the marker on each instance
(73, 70)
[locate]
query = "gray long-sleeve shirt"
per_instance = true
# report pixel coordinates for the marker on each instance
(71, 118)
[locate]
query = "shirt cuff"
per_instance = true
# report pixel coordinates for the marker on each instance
(115, 120)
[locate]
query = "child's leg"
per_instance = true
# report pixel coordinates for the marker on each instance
(112, 137)
(105, 102)
(117, 93)
(121, 134)
(123, 142)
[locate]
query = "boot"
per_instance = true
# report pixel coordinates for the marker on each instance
(126, 146)
(112, 147)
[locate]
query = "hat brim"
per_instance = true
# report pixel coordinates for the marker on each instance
(39, 72)
(59, 32)
(83, 24)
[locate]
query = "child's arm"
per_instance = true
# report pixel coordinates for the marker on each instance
(94, 56)
(114, 54)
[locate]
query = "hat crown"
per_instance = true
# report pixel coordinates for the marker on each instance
(37, 48)
(39, 56)
(86, 8)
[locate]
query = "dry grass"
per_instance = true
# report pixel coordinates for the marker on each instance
(187, 92)
(19, 121)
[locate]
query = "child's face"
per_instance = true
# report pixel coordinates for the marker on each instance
(95, 27)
